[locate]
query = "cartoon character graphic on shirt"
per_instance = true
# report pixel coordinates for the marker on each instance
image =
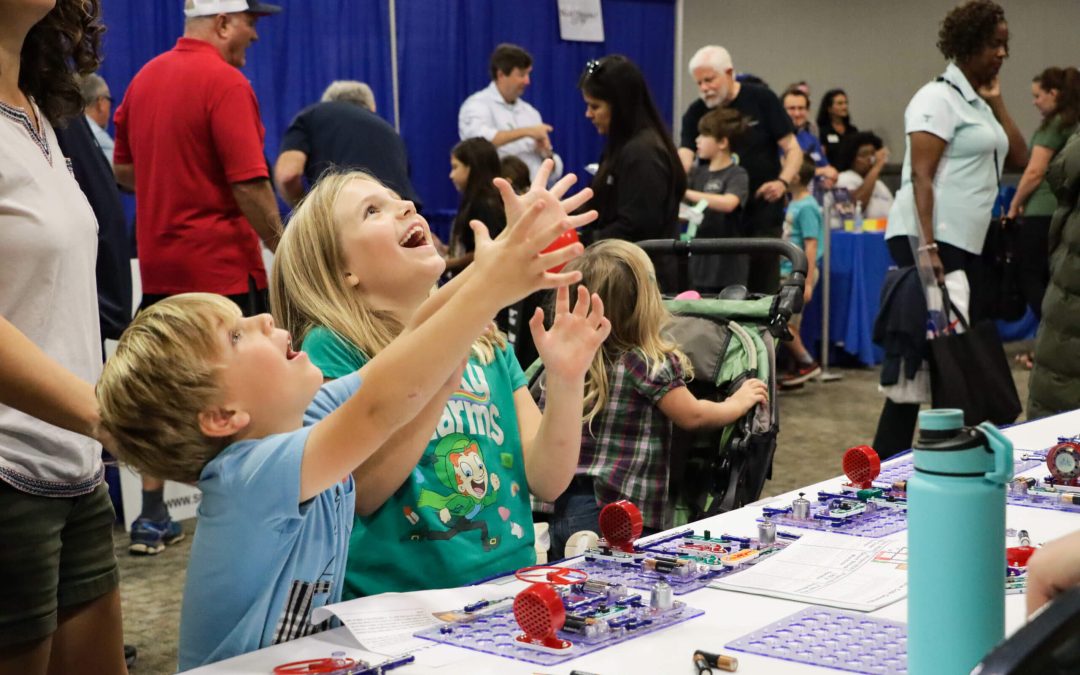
(460, 467)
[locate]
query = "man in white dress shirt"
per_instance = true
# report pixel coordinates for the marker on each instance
(498, 113)
(97, 105)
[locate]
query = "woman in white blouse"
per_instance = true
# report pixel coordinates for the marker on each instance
(59, 598)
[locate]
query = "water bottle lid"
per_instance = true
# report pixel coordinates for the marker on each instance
(946, 447)
(941, 419)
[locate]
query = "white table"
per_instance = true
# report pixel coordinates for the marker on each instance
(729, 615)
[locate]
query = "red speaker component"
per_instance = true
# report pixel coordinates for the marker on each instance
(565, 239)
(861, 465)
(620, 525)
(1063, 461)
(540, 613)
(1017, 556)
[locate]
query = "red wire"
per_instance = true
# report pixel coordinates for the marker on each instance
(313, 666)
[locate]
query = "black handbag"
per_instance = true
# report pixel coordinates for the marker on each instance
(969, 371)
(1001, 256)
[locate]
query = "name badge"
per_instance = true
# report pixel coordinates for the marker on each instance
(832, 138)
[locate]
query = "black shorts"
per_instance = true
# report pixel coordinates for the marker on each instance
(255, 301)
(57, 552)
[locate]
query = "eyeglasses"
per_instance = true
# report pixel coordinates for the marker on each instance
(106, 97)
(593, 66)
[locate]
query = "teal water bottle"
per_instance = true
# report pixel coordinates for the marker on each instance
(956, 543)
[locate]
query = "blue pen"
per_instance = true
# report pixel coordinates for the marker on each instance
(388, 665)
(481, 604)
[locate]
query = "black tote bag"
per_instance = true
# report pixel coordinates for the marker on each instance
(1002, 281)
(969, 371)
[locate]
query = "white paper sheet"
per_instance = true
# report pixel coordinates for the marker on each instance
(385, 623)
(581, 20)
(835, 570)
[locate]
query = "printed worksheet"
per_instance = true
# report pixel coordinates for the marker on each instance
(835, 570)
(385, 623)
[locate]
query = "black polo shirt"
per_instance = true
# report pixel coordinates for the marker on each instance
(757, 149)
(347, 136)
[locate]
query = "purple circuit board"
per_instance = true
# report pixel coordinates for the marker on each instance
(701, 559)
(495, 632)
(902, 468)
(832, 638)
(860, 513)
(1043, 494)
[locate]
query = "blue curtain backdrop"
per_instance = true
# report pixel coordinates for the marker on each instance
(299, 52)
(443, 50)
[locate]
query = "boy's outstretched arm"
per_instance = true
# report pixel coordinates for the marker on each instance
(404, 377)
(690, 412)
(551, 442)
(384, 472)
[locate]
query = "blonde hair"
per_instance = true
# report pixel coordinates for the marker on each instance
(308, 287)
(163, 374)
(624, 278)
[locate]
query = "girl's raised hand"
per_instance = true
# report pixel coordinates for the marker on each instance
(516, 205)
(512, 266)
(568, 347)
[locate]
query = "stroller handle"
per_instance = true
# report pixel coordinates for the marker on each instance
(789, 299)
(704, 246)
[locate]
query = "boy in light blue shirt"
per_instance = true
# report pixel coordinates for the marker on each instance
(198, 393)
(804, 227)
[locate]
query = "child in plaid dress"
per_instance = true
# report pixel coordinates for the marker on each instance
(635, 389)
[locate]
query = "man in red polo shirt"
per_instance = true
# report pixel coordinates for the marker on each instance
(189, 142)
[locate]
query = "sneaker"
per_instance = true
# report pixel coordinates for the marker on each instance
(149, 537)
(802, 374)
(130, 655)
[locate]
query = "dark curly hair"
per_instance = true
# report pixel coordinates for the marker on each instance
(968, 29)
(62, 44)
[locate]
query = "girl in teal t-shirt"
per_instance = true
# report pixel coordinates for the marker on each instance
(446, 501)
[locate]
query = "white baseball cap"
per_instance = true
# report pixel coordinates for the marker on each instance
(193, 8)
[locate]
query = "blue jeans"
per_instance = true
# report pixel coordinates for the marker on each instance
(575, 510)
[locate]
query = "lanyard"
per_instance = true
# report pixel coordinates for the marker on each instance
(997, 169)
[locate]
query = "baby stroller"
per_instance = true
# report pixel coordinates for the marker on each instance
(728, 339)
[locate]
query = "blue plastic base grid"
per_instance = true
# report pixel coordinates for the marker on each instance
(494, 634)
(634, 576)
(902, 468)
(880, 523)
(641, 579)
(832, 638)
(1045, 495)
